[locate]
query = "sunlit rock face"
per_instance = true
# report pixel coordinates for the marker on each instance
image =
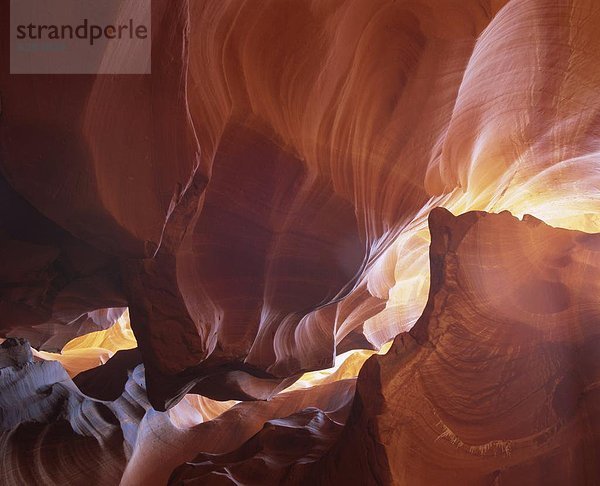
(260, 205)
(268, 209)
(497, 383)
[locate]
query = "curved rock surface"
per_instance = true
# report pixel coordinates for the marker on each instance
(120, 436)
(267, 458)
(498, 381)
(266, 219)
(49, 432)
(260, 203)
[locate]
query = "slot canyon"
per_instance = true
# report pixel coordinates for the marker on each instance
(322, 242)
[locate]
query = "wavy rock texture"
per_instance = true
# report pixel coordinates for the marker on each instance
(49, 432)
(303, 191)
(497, 383)
(119, 435)
(267, 457)
(152, 463)
(260, 204)
(95, 348)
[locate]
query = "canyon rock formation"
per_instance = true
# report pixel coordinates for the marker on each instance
(196, 263)
(498, 382)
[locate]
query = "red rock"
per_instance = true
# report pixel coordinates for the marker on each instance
(497, 381)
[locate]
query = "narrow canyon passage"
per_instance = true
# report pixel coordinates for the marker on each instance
(307, 242)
